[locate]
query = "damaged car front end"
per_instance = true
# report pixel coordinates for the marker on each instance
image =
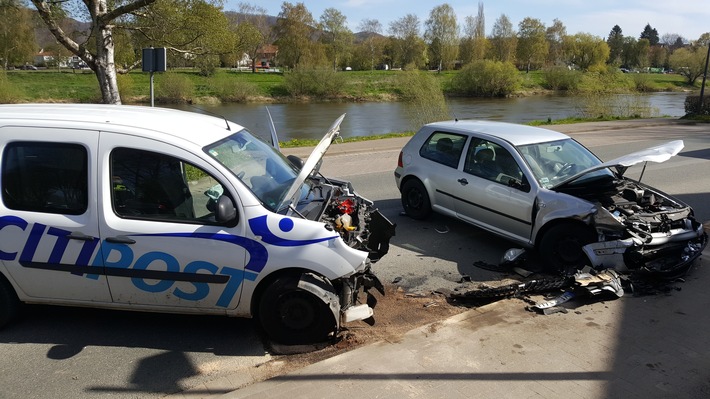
(638, 228)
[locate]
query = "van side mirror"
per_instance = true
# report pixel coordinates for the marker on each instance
(226, 211)
(295, 161)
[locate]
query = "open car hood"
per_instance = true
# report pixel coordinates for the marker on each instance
(659, 153)
(310, 167)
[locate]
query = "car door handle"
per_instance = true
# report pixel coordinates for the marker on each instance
(463, 181)
(121, 240)
(77, 235)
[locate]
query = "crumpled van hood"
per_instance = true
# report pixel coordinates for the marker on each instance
(659, 153)
(309, 167)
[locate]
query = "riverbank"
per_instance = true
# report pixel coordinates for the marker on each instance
(227, 86)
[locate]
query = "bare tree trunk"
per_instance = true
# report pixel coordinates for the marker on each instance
(105, 67)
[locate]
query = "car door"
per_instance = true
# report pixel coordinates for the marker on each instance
(443, 151)
(49, 236)
(493, 192)
(161, 244)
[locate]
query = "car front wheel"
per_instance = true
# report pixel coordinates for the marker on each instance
(415, 199)
(561, 247)
(291, 315)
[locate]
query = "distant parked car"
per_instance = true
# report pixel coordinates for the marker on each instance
(28, 67)
(541, 189)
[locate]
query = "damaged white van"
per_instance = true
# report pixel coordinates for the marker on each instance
(160, 210)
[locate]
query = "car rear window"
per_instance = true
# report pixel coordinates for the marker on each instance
(444, 148)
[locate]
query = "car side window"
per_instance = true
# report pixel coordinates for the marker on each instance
(444, 148)
(492, 162)
(45, 177)
(150, 185)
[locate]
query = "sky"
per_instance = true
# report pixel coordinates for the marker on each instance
(688, 18)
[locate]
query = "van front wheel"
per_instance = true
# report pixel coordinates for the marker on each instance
(9, 304)
(291, 315)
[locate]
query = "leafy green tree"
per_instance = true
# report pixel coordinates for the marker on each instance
(487, 78)
(187, 26)
(504, 40)
(689, 62)
(532, 47)
(442, 36)
(555, 36)
(17, 41)
(406, 45)
(650, 34)
(336, 36)
(293, 31)
(586, 51)
(615, 41)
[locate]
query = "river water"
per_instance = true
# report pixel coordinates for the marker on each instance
(311, 120)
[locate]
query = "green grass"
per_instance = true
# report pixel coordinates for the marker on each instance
(81, 86)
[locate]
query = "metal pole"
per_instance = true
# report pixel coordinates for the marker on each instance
(702, 88)
(152, 98)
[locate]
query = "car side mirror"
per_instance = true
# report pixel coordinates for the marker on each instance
(295, 161)
(226, 211)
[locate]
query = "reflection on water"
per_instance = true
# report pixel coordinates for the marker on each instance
(310, 120)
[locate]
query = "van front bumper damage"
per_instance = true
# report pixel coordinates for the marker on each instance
(351, 291)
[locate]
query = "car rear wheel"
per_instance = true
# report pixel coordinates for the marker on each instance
(291, 315)
(415, 199)
(561, 247)
(9, 304)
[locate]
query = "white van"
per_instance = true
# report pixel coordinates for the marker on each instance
(161, 210)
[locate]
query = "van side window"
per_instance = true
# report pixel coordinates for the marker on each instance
(444, 148)
(150, 185)
(45, 177)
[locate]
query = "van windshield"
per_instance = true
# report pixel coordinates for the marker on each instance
(257, 164)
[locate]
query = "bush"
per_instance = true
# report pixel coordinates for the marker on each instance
(231, 89)
(207, 64)
(486, 78)
(642, 81)
(692, 105)
(561, 78)
(174, 88)
(317, 82)
(9, 94)
(424, 97)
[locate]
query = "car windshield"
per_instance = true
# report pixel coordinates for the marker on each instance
(257, 164)
(554, 161)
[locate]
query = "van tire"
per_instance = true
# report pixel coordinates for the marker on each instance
(290, 315)
(9, 304)
(415, 200)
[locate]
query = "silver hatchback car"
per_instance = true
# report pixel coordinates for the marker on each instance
(543, 190)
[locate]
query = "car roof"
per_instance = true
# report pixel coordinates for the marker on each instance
(194, 127)
(514, 133)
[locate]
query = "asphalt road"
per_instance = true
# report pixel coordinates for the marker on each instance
(82, 353)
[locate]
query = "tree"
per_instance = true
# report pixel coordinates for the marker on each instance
(442, 35)
(673, 41)
(474, 43)
(532, 47)
(407, 47)
(151, 20)
(503, 40)
(555, 36)
(650, 34)
(373, 45)
(293, 31)
(615, 41)
(196, 30)
(586, 51)
(689, 62)
(253, 31)
(336, 36)
(16, 33)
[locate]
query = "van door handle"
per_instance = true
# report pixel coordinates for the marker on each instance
(463, 181)
(120, 240)
(77, 235)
